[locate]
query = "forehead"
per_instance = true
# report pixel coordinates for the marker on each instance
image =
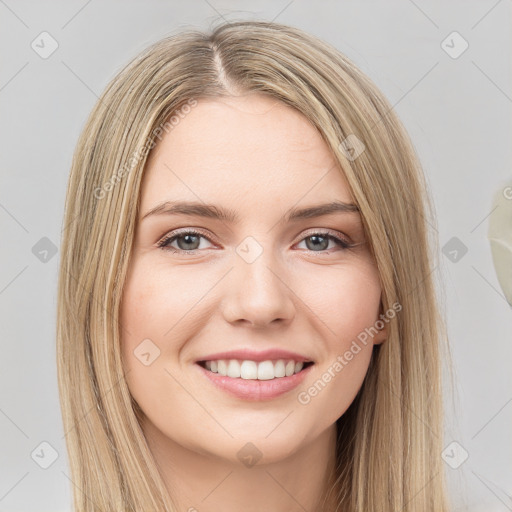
(251, 148)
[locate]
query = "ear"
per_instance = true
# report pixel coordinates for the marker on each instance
(382, 328)
(381, 336)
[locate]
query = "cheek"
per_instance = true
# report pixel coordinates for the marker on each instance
(160, 311)
(152, 306)
(347, 307)
(148, 310)
(143, 321)
(335, 385)
(347, 301)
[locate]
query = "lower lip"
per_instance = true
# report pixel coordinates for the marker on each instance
(256, 390)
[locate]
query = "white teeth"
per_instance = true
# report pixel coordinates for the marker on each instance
(233, 369)
(290, 368)
(279, 369)
(249, 370)
(221, 367)
(264, 370)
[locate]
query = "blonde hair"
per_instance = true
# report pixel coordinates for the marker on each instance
(388, 455)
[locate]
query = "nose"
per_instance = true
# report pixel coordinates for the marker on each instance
(258, 293)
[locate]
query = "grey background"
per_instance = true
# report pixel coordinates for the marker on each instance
(457, 111)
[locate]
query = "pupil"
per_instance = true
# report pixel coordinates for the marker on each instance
(323, 244)
(187, 237)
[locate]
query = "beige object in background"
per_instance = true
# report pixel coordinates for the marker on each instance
(500, 238)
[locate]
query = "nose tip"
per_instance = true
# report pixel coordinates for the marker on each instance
(257, 294)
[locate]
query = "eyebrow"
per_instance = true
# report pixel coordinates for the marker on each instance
(216, 212)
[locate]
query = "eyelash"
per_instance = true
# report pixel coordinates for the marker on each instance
(162, 244)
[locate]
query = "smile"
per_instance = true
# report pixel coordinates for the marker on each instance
(247, 369)
(247, 383)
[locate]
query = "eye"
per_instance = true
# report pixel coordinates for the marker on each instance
(188, 241)
(319, 241)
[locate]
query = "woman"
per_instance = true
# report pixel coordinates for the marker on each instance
(246, 316)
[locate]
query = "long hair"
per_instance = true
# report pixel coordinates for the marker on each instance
(388, 452)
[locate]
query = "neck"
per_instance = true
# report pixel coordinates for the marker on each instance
(201, 482)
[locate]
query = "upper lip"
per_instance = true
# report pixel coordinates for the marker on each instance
(251, 355)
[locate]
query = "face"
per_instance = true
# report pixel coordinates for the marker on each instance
(258, 279)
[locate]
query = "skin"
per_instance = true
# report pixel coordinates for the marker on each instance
(258, 157)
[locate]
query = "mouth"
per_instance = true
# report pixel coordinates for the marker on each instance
(255, 370)
(255, 381)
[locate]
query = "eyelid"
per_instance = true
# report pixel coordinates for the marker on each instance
(327, 231)
(177, 232)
